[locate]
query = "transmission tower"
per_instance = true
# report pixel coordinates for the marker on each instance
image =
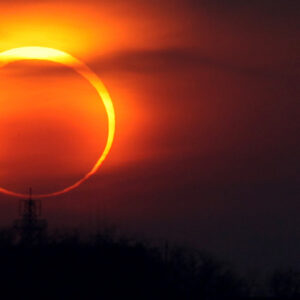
(30, 227)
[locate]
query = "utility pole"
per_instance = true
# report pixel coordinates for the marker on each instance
(31, 229)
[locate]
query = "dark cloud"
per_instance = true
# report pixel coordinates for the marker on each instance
(172, 59)
(36, 68)
(156, 61)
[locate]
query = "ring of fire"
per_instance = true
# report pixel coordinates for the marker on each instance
(57, 56)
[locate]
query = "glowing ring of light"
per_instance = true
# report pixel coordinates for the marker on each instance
(57, 56)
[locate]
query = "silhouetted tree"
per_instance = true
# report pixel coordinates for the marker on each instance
(285, 284)
(108, 266)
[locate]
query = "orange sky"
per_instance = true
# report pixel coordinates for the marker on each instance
(205, 94)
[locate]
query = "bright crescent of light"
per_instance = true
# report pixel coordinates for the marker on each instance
(57, 56)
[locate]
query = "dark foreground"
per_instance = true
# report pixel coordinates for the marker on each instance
(106, 267)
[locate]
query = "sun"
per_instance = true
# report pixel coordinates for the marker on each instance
(64, 58)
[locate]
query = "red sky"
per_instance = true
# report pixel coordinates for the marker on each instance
(206, 96)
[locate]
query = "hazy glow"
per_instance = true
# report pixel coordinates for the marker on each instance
(57, 56)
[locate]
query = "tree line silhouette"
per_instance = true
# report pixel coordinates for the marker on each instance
(108, 266)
